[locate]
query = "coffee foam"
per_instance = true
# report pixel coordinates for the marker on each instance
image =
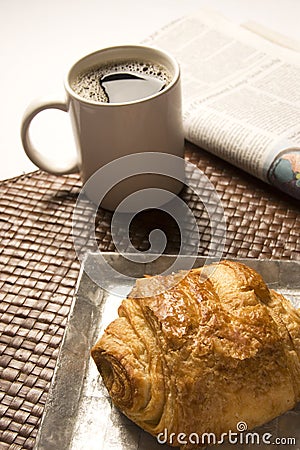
(87, 84)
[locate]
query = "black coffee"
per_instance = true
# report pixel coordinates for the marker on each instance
(121, 82)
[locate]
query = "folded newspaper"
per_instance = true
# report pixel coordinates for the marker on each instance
(241, 95)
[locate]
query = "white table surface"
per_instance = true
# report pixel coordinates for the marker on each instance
(39, 40)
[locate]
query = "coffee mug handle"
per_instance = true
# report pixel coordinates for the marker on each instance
(38, 158)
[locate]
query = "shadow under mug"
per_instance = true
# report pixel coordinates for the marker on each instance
(105, 132)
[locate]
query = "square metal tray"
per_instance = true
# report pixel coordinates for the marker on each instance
(79, 414)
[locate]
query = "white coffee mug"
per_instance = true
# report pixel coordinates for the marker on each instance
(106, 131)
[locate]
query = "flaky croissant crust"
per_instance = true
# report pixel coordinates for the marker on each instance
(202, 355)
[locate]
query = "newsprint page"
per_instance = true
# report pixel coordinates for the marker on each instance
(241, 95)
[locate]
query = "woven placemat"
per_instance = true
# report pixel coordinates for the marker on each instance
(39, 268)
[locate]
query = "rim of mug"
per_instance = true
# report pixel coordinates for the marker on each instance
(170, 57)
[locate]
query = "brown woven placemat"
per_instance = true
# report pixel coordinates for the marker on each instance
(39, 268)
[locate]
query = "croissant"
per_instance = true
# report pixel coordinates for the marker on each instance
(191, 354)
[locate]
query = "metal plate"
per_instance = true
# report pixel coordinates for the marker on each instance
(79, 414)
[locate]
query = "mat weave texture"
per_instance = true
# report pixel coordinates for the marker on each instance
(39, 268)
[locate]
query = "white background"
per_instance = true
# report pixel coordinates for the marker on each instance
(40, 39)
